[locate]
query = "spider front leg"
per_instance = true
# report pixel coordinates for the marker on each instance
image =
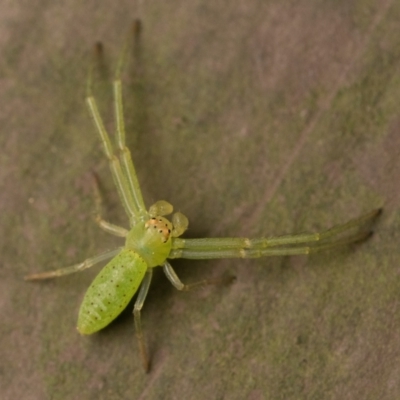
(115, 166)
(124, 152)
(306, 243)
(121, 165)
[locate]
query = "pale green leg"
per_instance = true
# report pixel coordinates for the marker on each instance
(174, 279)
(74, 268)
(209, 248)
(123, 170)
(144, 288)
(125, 155)
(119, 178)
(212, 252)
(106, 226)
(124, 152)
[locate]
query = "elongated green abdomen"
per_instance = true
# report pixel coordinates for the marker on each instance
(111, 291)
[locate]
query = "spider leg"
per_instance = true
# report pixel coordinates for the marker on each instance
(106, 226)
(304, 243)
(120, 180)
(227, 243)
(144, 288)
(174, 279)
(124, 152)
(115, 167)
(214, 252)
(74, 268)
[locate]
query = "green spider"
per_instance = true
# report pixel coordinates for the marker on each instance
(153, 240)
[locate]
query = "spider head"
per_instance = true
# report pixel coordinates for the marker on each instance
(159, 226)
(179, 222)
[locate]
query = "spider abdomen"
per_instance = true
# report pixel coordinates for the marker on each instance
(111, 291)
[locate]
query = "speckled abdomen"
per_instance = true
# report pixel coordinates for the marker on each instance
(111, 291)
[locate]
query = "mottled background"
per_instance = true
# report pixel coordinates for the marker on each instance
(252, 117)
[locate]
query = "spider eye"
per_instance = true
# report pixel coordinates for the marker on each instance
(160, 226)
